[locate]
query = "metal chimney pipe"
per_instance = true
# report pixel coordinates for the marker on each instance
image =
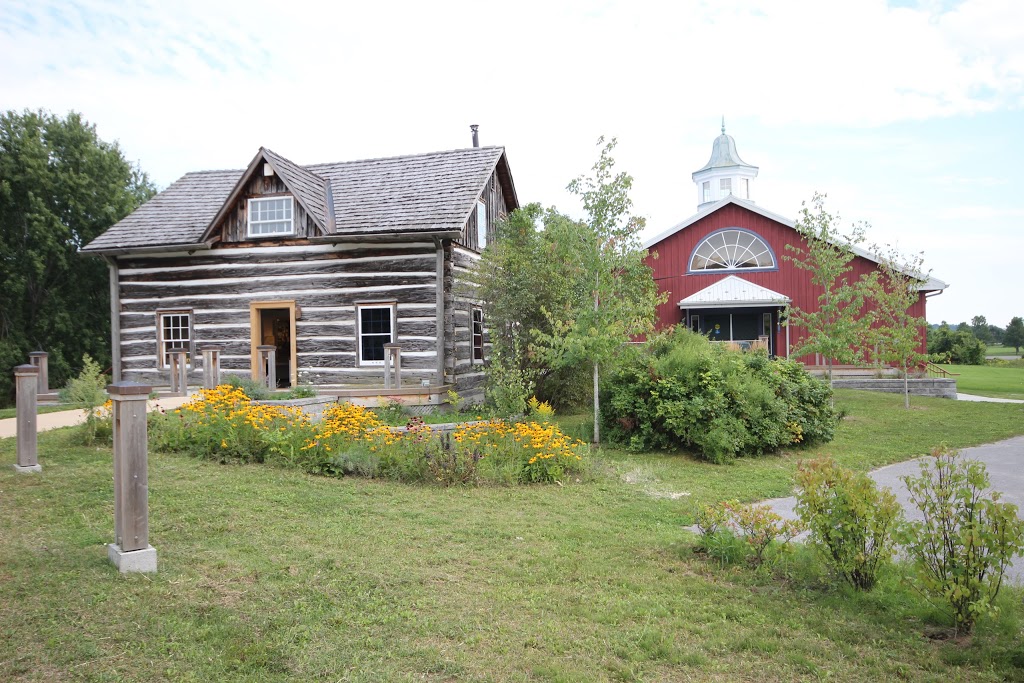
(476, 136)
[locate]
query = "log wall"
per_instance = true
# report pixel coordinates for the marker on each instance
(325, 282)
(497, 209)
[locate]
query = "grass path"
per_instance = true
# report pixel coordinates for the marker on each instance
(271, 575)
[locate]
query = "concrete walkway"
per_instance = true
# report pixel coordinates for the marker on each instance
(70, 418)
(985, 399)
(1004, 461)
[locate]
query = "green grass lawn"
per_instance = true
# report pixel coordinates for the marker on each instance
(272, 575)
(13, 412)
(998, 350)
(989, 380)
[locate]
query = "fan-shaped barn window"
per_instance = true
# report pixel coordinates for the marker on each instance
(732, 249)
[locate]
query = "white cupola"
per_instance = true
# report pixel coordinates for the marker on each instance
(724, 174)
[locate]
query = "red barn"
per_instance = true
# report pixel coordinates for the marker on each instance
(723, 268)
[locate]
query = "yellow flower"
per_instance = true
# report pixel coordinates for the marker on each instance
(223, 443)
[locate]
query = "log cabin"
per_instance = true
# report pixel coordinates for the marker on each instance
(328, 263)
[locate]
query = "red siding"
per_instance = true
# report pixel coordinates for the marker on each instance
(674, 254)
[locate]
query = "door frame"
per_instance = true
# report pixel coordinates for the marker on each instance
(255, 330)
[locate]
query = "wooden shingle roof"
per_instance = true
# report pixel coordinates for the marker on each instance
(423, 193)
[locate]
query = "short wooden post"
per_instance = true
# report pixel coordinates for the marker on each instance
(26, 382)
(268, 365)
(131, 551)
(392, 356)
(179, 371)
(40, 359)
(211, 365)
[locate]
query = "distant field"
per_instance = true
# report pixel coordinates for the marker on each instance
(996, 350)
(988, 380)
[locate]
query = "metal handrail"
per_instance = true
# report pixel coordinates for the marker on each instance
(936, 371)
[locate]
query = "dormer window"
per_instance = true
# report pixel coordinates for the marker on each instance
(270, 216)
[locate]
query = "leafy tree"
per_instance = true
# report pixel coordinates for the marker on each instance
(894, 332)
(1014, 335)
(979, 326)
(956, 346)
(602, 255)
(836, 328)
(60, 186)
(996, 334)
(528, 270)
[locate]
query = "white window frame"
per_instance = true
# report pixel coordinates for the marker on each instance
(481, 225)
(706, 188)
(359, 329)
(162, 347)
(253, 201)
(473, 312)
(725, 186)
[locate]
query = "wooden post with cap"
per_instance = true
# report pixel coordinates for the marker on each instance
(131, 551)
(26, 378)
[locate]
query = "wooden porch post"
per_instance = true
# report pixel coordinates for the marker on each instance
(40, 359)
(392, 351)
(179, 372)
(26, 382)
(268, 365)
(131, 551)
(211, 365)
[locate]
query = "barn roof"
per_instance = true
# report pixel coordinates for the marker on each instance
(734, 292)
(404, 195)
(929, 284)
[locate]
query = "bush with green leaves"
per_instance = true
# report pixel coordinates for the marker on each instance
(961, 547)
(958, 346)
(851, 521)
(254, 389)
(683, 391)
(88, 390)
(730, 531)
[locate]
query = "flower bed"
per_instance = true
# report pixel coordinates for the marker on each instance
(223, 424)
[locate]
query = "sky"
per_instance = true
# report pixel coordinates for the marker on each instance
(908, 114)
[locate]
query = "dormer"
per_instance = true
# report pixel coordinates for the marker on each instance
(725, 173)
(274, 199)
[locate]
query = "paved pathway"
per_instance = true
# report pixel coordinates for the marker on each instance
(985, 399)
(69, 418)
(1005, 463)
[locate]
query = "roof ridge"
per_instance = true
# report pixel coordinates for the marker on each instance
(408, 156)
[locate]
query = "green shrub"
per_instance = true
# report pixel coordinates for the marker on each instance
(761, 529)
(851, 522)
(961, 548)
(508, 385)
(255, 390)
(89, 390)
(686, 392)
(959, 346)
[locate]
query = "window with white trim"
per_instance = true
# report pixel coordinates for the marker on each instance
(732, 249)
(481, 225)
(706, 189)
(746, 188)
(478, 335)
(270, 216)
(376, 328)
(174, 331)
(725, 185)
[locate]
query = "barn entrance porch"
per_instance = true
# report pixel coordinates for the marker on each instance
(273, 323)
(738, 311)
(747, 329)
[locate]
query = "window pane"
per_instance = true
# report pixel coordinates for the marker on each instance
(373, 346)
(376, 320)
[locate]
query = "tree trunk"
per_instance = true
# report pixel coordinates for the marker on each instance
(828, 370)
(906, 387)
(597, 410)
